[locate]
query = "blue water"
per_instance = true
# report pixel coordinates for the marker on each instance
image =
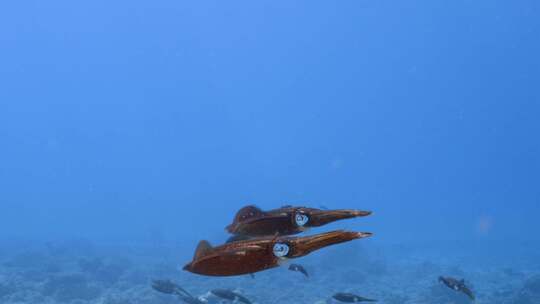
(134, 129)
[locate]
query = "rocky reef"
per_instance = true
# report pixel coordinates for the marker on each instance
(530, 292)
(90, 274)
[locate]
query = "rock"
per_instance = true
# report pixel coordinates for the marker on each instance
(532, 285)
(110, 274)
(6, 290)
(27, 260)
(74, 247)
(530, 293)
(65, 288)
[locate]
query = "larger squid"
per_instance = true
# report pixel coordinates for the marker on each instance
(250, 256)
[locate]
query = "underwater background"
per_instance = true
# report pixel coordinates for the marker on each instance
(130, 130)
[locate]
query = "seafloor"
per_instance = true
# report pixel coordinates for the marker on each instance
(82, 272)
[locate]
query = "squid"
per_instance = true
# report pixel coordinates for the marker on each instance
(259, 254)
(251, 221)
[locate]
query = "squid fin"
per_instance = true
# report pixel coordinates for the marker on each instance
(203, 249)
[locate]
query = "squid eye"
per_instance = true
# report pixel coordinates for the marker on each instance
(281, 250)
(301, 219)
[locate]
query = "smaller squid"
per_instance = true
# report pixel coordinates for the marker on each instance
(251, 221)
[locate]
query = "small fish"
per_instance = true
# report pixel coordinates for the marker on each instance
(457, 285)
(189, 300)
(169, 287)
(350, 298)
(230, 295)
(299, 268)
